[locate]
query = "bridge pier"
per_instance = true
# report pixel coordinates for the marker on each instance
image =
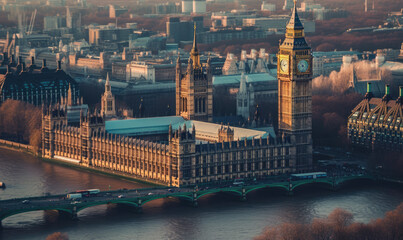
(139, 209)
(74, 213)
(194, 199)
(243, 195)
(290, 192)
(335, 187)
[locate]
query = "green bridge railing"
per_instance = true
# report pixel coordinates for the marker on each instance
(190, 194)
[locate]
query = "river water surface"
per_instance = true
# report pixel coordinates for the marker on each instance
(219, 216)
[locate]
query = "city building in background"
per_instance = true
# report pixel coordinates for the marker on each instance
(276, 24)
(193, 6)
(116, 11)
(271, 7)
(255, 62)
(326, 62)
(178, 30)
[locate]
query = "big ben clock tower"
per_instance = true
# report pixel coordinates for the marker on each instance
(294, 72)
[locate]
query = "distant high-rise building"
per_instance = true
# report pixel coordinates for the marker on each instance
(271, 7)
(178, 30)
(56, 3)
(73, 19)
(366, 6)
(199, 6)
(53, 22)
(193, 6)
(287, 4)
(116, 11)
(187, 6)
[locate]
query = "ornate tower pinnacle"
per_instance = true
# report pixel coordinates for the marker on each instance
(108, 100)
(69, 96)
(107, 84)
(194, 89)
(194, 53)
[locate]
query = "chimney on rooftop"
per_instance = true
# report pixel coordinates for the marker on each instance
(368, 95)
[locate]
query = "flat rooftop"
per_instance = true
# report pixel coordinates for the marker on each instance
(160, 125)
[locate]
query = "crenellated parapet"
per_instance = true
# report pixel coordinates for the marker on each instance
(225, 134)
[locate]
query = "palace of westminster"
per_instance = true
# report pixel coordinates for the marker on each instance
(188, 148)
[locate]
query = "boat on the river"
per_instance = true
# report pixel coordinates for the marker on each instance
(2, 185)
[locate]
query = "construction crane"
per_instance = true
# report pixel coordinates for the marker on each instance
(31, 23)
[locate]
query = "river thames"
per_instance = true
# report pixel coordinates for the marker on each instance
(219, 216)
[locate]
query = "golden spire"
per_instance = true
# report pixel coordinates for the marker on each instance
(194, 38)
(294, 22)
(194, 53)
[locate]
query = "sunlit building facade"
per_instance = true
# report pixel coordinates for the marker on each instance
(377, 123)
(188, 149)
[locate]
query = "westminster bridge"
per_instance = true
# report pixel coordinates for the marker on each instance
(138, 197)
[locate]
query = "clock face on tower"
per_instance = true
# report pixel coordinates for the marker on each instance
(302, 66)
(284, 65)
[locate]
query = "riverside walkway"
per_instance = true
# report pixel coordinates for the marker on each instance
(138, 197)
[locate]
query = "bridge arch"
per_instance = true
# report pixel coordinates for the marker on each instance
(316, 182)
(183, 196)
(154, 197)
(219, 191)
(19, 211)
(93, 204)
(354, 178)
(266, 186)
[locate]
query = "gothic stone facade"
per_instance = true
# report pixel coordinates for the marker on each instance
(180, 161)
(34, 84)
(294, 73)
(194, 89)
(377, 123)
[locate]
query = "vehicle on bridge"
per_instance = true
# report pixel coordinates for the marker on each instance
(94, 191)
(238, 181)
(74, 196)
(89, 192)
(304, 176)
